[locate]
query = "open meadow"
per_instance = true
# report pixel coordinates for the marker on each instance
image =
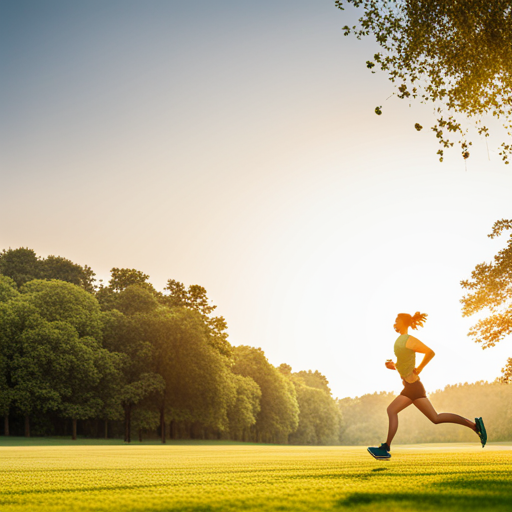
(53, 476)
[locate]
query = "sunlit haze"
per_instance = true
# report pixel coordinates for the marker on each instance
(235, 145)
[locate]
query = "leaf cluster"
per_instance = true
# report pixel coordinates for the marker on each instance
(490, 287)
(454, 55)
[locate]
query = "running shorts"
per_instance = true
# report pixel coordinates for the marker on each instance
(414, 390)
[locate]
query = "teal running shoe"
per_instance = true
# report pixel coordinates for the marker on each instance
(480, 430)
(380, 453)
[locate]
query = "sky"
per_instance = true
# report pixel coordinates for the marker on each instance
(235, 145)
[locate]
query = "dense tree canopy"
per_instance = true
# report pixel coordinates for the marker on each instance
(136, 359)
(454, 55)
(279, 413)
(319, 417)
(23, 265)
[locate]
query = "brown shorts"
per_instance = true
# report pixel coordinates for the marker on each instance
(414, 390)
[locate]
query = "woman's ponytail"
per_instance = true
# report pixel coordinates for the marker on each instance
(418, 319)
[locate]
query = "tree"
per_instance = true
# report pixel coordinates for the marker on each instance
(491, 288)
(121, 278)
(244, 410)
(145, 418)
(8, 289)
(137, 381)
(315, 380)
(51, 339)
(455, 55)
(198, 384)
(506, 373)
(319, 415)
(23, 265)
(136, 299)
(195, 298)
(279, 413)
(56, 267)
(58, 300)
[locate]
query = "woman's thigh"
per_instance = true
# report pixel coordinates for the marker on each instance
(399, 404)
(424, 405)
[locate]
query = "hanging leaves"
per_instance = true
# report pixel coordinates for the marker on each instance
(456, 55)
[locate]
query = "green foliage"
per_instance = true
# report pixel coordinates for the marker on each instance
(490, 287)
(197, 377)
(59, 300)
(56, 267)
(23, 265)
(244, 410)
(279, 413)
(455, 55)
(315, 380)
(69, 351)
(8, 289)
(121, 278)
(127, 290)
(195, 298)
(319, 416)
(136, 299)
(50, 343)
(144, 419)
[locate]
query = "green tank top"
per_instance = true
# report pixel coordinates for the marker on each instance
(405, 357)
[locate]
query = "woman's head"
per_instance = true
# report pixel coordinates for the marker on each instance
(404, 320)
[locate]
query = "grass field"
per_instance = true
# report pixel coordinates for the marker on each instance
(49, 476)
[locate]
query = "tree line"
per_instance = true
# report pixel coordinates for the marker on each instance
(366, 419)
(122, 358)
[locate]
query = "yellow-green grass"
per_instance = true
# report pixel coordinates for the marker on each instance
(222, 477)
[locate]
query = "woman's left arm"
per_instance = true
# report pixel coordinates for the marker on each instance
(416, 345)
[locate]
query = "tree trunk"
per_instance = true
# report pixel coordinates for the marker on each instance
(27, 425)
(162, 424)
(106, 429)
(127, 423)
(140, 435)
(6, 425)
(74, 430)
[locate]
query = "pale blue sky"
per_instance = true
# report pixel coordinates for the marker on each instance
(234, 145)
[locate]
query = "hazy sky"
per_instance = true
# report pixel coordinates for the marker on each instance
(234, 145)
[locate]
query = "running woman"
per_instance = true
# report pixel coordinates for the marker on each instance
(406, 347)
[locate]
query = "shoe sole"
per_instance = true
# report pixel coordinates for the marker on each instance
(377, 457)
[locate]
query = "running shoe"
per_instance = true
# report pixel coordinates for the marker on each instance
(480, 430)
(379, 453)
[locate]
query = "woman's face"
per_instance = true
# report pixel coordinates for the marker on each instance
(398, 324)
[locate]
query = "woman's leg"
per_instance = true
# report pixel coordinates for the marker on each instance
(397, 405)
(424, 405)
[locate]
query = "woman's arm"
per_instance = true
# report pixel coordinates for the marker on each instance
(416, 345)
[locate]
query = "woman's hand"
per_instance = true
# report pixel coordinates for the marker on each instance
(390, 365)
(417, 371)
